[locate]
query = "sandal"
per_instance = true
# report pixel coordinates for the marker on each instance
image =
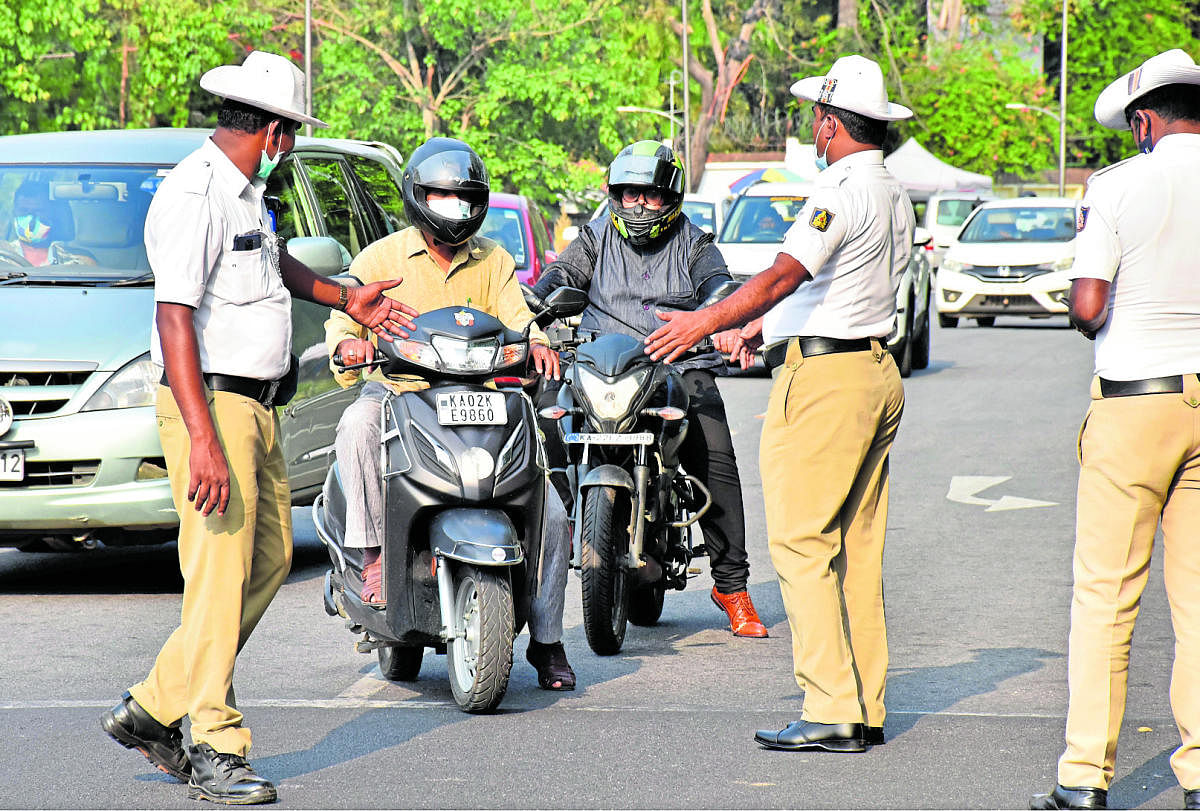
(553, 669)
(372, 577)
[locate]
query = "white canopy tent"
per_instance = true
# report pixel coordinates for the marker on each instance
(922, 173)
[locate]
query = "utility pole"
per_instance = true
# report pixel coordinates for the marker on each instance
(308, 64)
(1062, 109)
(687, 107)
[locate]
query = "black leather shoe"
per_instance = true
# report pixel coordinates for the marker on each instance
(131, 726)
(225, 778)
(1191, 799)
(807, 735)
(873, 736)
(1071, 797)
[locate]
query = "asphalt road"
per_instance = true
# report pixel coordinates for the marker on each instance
(977, 600)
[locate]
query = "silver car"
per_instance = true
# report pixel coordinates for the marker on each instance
(80, 461)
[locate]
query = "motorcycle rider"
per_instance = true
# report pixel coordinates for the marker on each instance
(646, 257)
(443, 264)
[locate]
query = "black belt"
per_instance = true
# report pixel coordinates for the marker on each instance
(811, 346)
(1172, 384)
(261, 390)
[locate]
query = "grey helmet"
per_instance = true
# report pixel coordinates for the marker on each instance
(646, 164)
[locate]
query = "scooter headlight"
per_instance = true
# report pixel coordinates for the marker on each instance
(458, 355)
(611, 401)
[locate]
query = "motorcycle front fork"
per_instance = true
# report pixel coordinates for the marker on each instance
(637, 513)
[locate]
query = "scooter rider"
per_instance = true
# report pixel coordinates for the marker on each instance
(646, 257)
(443, 264)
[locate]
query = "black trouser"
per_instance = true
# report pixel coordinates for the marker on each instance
(706, 453)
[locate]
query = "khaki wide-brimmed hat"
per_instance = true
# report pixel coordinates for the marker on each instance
(1170, 67)
(854, 83)
(265, 80)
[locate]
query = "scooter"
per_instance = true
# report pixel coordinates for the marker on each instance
(464, 488)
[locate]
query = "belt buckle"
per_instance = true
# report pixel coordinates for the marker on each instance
(269, 395)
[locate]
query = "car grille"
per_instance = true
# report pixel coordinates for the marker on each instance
(78, 473)
(41, 392)
(1006, 273)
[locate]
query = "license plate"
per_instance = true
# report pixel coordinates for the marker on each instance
(644, 438)
(12, 465)
(471, 408)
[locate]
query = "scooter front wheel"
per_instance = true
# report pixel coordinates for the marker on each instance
(480, 655)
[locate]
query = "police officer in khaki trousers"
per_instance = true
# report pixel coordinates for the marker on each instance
(830, 302)
(1137, 293)
(222, 330)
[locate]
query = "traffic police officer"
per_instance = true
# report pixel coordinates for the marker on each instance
(834, 408)
(222, 330)
(1137, 293)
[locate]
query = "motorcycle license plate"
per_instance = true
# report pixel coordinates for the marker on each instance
(12, 465)
(471, 408)
(644, 438)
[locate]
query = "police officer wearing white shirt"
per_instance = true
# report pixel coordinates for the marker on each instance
(830, 302)
(222, 331)
(1137, 292)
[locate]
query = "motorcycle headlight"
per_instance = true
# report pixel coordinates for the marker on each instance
(610, 401)
(134, 384)
(458, 355)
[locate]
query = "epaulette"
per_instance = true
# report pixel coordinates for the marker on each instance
(197, 178)
(1110, 167)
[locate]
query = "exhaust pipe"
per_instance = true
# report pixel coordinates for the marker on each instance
(648, 574)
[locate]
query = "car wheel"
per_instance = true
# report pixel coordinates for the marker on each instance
(904, 353)
(986, 321)
(947, 321)
(920, 340)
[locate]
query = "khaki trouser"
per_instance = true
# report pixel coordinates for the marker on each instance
(1140, 459)
(232, 566)
(830, 423)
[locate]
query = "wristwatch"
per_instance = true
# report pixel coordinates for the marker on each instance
(343, 297)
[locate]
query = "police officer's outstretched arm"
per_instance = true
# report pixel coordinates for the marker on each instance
(366, 304)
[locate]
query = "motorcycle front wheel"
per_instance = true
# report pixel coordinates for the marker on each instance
(605, 586)
(479, 657)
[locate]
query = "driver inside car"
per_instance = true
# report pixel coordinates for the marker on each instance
(646, 256)
(41, 227)
(442, 263)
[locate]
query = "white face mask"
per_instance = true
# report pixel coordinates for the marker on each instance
(452, 208)
(822, 160)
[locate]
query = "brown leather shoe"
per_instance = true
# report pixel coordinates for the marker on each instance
(743, 619)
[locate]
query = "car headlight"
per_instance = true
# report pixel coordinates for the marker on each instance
(610, 401)
(134, 384)
(953, 265)
(458, 355)
(1065, 263)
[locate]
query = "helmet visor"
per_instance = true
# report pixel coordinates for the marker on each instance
(645, 170)
(452, 170)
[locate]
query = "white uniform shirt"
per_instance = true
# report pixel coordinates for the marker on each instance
(1137, 230)
(243, 315)
(854, 237)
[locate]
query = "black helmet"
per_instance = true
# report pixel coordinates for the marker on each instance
(445, 164)
(646, 164)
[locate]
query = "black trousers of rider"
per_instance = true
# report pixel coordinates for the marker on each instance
(707, 453)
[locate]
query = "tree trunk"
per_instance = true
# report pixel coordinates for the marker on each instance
(847, 15)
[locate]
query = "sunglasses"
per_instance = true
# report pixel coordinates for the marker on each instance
(630, 196)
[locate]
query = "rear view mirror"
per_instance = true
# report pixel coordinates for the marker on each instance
(723, 292)
(322, 255)
(565, 302)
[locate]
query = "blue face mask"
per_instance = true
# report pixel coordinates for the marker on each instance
(822, 160)
(30, 229)
(1144, 144)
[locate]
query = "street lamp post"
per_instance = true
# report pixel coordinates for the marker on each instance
(626, 108)
(1062, 108)
(687, 105)
(672, 81)
(1062, 139)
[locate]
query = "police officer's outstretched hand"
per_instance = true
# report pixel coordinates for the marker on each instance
(740, 344)
(385, 316)
(682, 331)
(209, 485)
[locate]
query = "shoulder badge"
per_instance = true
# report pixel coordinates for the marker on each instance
(464, 318)
(1081, 218)
(820, 219)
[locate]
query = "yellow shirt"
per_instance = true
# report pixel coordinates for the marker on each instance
(480, 276)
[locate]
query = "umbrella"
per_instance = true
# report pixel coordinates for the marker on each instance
(764, 176)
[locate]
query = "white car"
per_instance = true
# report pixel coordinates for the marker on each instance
(1012, 257)
(945, 213)
(756, 223)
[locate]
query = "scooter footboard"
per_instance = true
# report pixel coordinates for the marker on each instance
(476, 535)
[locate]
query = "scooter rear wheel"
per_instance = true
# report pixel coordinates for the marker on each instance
(480, 655)
(400, 662)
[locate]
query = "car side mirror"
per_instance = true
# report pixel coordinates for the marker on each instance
(322, 255)
(921, 236)
(723, 292)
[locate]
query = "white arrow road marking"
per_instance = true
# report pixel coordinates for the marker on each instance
(963, 489)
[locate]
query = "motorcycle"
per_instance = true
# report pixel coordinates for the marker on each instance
(464, 488)
(622, 418)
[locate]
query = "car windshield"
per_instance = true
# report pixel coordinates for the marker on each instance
(700, 213)
(76, 223)
(504, 226)
(953, 212)
(1025, 224)
(761, 220)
